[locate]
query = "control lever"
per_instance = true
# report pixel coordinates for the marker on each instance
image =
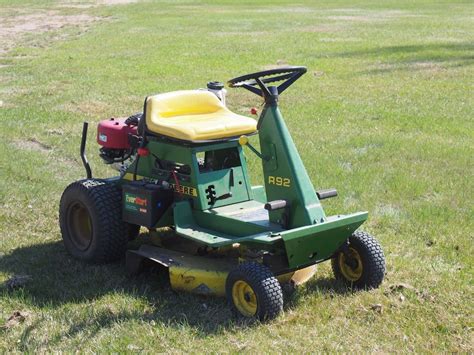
(244, 140)
(224, 196)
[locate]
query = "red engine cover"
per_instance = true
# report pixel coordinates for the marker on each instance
(113, 133)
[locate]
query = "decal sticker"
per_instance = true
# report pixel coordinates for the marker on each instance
(279, 181)
(135, 203)
(186, 190)
(103, 137)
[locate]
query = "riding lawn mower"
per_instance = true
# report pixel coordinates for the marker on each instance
(182, 166)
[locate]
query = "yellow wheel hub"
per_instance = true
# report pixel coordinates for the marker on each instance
(80, 226)
(351, 269)
(244, 298)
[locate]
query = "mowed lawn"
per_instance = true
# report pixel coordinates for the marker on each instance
(384, 114)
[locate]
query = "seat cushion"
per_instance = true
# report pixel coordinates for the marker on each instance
(194, 115)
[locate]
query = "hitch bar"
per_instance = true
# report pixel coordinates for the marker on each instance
(85, 162)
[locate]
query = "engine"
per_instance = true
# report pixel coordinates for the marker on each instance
(112, 135)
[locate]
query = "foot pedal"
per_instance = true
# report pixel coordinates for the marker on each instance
(327, 193)
(276, 205)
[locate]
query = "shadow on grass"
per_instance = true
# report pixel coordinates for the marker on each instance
(57, 279)
(415, 57)
(326, 285)
(461, 47)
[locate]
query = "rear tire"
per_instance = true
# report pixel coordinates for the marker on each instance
(364, 266)
(90, 216)
(254, 292)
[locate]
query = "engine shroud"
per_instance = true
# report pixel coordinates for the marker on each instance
(113, 133)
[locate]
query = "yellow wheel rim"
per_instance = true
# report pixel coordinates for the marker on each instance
(244, 298)
(80, 226)
(351, 270)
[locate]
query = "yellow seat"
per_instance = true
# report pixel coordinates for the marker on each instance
(194, 115)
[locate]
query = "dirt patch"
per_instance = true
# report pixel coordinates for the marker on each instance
(240, 34)
(348, 10)
(73, 5)
(352, 18)
(15, 28)
(41, 22)
(355, 16)
(77, 6)
(32, 144)
(287, 9)
(16, 318)
(209, 9)
(55, 132)
(116, 2)
(431, 66)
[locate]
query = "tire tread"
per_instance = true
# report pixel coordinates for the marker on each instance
(373, 261)
(104, 199)
(265, 285)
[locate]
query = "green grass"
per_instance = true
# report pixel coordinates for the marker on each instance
(385, 115)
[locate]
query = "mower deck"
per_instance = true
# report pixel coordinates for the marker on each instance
(198, 274)
(187, 272)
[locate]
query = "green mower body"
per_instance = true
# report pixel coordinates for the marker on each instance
(299, 232)
(201, 189)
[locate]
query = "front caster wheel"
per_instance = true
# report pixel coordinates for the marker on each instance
(362, 265)
(254, 292)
